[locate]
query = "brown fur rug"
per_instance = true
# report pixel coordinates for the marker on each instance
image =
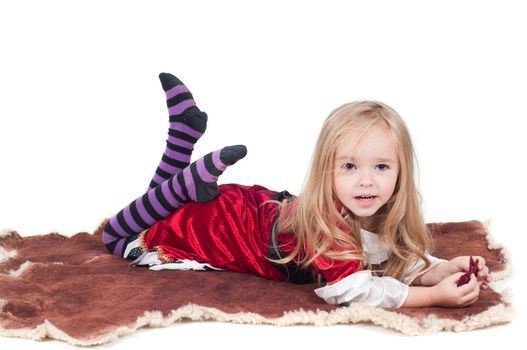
(71, 289)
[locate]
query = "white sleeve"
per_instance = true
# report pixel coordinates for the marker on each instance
(363, 287)
(413, 272)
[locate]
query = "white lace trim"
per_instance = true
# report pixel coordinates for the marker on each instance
(147, 258)
(152, 260)
(184, 265)
(375, 251)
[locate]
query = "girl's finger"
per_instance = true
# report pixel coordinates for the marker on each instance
(471, 301)
(485, 276)
(483, 284)
(481, 263)
(471, 287)
(473, 295)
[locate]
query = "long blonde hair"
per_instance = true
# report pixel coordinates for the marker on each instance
(323, 227)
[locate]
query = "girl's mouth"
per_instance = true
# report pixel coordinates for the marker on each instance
(365, 198)
(366, 201)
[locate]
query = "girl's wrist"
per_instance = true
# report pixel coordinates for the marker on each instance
(432, 295)
(420, 297)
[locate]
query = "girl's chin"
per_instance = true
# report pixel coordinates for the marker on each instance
(364, 213)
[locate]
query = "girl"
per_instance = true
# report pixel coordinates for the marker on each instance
(356, 225)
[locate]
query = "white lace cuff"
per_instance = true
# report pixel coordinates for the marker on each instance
(363, 287)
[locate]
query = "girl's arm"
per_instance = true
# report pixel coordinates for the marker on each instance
(387, 292)
(446, 293)
(439, 287)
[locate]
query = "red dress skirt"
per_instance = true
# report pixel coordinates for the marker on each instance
(233, 232)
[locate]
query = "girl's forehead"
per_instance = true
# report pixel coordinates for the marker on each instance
(375, 142)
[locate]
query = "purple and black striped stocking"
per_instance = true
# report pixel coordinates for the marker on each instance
(187, 124)
(197, 182)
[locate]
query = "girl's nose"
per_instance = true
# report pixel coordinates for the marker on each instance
(365, 180)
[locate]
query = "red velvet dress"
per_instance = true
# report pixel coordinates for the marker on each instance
(233, 232)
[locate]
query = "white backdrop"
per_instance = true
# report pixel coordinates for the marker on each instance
(83, 118)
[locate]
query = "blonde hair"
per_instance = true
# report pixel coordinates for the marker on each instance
(323, 227)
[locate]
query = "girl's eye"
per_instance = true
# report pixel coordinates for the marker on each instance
(383, 167)
(349, 166)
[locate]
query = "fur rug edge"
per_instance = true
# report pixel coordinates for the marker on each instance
(4, 232)
(355, 313)
(493, 244)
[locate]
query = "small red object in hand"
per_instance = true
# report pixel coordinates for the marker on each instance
(472, 269)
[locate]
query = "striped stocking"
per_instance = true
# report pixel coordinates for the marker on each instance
(187, 124)
(197, 182)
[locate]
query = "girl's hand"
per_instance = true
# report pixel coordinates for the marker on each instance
(461, 264)
(448, 294)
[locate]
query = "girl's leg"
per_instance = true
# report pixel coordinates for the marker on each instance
(187, 124)
(197, 182)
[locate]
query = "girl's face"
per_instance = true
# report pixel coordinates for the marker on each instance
(366, 170)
